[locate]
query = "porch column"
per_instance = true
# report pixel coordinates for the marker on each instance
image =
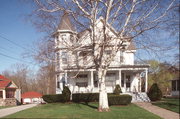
(146, 81)
(125, 81)
(4, 94)
(92, 80)
(65, 76)
(120, 78)
(140, 83)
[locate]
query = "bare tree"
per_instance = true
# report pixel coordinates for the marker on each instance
(130, 18)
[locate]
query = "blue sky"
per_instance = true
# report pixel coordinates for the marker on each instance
(14, 27)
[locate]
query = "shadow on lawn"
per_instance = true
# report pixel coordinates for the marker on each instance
(89, 105)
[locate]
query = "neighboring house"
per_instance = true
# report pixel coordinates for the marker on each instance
(131, 77)
(31, 97)
(10, 94)
(175, 87)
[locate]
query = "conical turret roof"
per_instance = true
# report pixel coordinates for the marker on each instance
(65, 23)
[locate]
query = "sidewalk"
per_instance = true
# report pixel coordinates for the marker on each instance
(163, 113)
(11, 110)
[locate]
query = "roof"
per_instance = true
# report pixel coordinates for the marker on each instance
(131, 46)
(65, 23)
(4, 82)
(31, 95)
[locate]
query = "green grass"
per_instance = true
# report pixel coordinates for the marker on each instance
(82, 111)
(169, 104)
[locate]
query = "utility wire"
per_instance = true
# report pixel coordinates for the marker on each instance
(14, 58)
(12, 42)
(47, 59)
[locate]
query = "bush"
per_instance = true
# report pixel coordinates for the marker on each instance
(66, 93)
(64, 97)
(119, 99)
(94, 97)
(154, 93)
(53, 98)
(85, 97)
(117, 90)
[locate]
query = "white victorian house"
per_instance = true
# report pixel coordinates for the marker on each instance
(131, 77)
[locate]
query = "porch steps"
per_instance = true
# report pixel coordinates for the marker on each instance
(140, 97)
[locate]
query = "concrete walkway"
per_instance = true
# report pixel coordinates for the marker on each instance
(165, 114)
(11, 110)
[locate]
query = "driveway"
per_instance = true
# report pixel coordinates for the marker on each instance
(163, 113)
(11, 110)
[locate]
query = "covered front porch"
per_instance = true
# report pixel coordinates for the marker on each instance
(130, 80)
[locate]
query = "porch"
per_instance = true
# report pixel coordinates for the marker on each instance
(7, 97)
(130, 79)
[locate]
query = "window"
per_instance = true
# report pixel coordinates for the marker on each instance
(63, 37)
(84, 55)
(178, 85)
(121, 57)
(10, 94)
(64, 57)
(57, 59)
(174, 85)
(110, 78)
(108, 52)
(58, 83)
(122, 80)
(1, 94)
(82, 84)
(57, 40)
(72, 39)
(82, 76)
(128, 80)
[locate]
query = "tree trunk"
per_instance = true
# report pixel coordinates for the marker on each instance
(103, 99)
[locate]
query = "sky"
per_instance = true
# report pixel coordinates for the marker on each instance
(14, 27)
(16, 34)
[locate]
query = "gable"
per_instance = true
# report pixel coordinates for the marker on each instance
(11, 85)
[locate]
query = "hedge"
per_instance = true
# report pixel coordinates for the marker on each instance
(89, 97)
(64, 97)
(85, 97)
(94, 97)
(119, 99)
(54, 98)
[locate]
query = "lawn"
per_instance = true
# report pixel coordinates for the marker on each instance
(82, 111)
(169, 104)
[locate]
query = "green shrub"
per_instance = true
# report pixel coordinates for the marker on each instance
(119, 99)
(53, 98)
(117, 90)
(85, 97)
(66, 93)
(64, 97)
(94, 97)
(154, 93)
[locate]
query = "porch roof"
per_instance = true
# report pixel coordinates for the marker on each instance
(120, 67)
